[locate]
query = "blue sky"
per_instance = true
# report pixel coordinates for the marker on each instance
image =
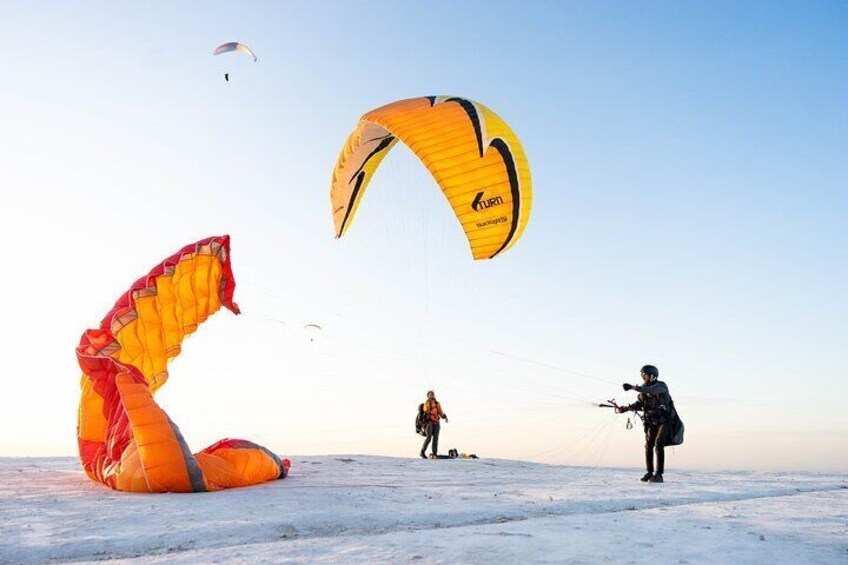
(690, 184)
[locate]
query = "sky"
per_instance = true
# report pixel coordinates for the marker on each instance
(690, 194)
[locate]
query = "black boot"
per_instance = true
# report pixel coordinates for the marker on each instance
(423, 456)
(656, 478)
(648, 476)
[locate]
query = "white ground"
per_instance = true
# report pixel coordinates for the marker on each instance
(378, 509)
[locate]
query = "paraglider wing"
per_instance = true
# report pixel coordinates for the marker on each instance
(313, 328)
(126, 441)
(235, 46)
(471, 152)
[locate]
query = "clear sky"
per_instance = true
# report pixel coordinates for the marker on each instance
(690, 196)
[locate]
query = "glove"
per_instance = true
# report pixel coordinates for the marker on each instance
(621, 409)
(626, 386)
(445, 416)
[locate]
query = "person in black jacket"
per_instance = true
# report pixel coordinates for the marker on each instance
(654, 401)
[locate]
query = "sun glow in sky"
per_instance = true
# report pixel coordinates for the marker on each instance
(690, 196)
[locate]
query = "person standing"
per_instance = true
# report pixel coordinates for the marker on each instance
(655, 402)
(435, 414)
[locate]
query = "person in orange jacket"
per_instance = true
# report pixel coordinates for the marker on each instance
(434, 410)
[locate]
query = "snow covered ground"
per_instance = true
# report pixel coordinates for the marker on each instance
(378, 509)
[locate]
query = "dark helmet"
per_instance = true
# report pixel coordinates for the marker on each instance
(651, 371)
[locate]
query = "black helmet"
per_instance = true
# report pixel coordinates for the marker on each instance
(652, 371)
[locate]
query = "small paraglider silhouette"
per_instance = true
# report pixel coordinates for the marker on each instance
(313, 328)
(234, 46)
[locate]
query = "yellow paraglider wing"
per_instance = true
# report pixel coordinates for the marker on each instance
(472, 153)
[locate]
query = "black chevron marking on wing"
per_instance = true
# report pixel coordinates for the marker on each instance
(350, 204)
(471, 110)
(382, 145)
(512, 174)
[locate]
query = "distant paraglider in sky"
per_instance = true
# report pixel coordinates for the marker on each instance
(472, 153)
(314, 329)
(234, 46)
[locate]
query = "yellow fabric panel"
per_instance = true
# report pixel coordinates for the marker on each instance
(149, 328)
(474, 156)
(184, 295)
(182, 301)
(169, 315)
(91, 421)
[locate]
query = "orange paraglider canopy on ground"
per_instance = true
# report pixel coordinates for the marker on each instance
(126, 441)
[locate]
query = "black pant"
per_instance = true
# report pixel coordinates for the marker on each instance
(656, 437)
(432, 433)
